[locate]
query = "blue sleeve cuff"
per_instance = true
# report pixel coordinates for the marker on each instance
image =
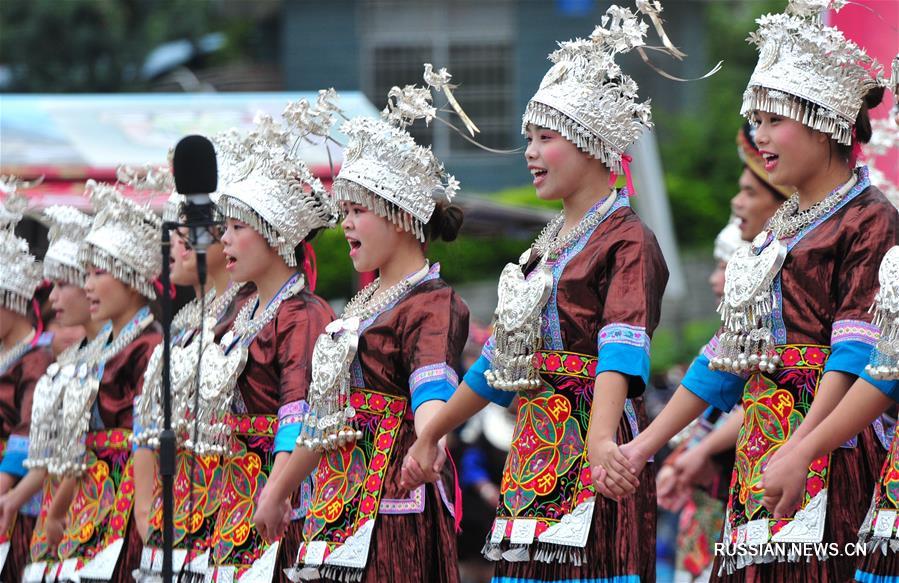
(850, 356)
(137, 429)
(473, 468)
(432, 391)
(475, 379)
(631, 361)
(717, 388)
(15, 455)
(286, 436)
(888, 388)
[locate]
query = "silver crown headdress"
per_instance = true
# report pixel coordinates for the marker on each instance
(587, 98)
(266, 186)
(124, 239)
(20, 274)
(386, 171)
(68, 229)
(728, 241)
(809, 72)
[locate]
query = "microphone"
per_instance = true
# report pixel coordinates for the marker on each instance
(196, 175)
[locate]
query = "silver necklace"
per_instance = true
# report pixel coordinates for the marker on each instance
(329, 424)
(17, 351)
(747, 343)
(521, 301)
(80, 395)
(222, 365)
(190, 317)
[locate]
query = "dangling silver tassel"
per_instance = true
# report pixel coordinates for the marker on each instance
(884, 363)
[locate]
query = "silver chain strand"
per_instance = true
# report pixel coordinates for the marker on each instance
(329, 424)
(747, 343)
(17, 351)
(522, 299)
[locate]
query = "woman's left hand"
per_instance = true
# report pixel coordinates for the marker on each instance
(606, 458)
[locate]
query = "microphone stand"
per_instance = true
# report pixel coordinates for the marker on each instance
(196, 222)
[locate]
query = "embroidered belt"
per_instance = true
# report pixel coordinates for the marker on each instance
(348, 487)
(774, 405)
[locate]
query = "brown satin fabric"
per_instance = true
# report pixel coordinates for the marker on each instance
(831, 274)
(17, 391)
(618, 277)
(123, 379)
(428, 326)
(278, 369)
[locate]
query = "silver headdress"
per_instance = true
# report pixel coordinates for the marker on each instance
(266, 186)
(728, 241)
(809, 72)
(124, 239)
(386, 171)
(68, 229)
(20, 274)
(587, 98)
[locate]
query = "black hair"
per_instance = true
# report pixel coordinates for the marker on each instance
(862, 125)
(445, 223)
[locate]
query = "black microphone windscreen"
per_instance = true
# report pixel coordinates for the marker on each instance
(194, 166)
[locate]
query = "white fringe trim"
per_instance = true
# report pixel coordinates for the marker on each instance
(236, 209)
(348, 191)
(93, 255)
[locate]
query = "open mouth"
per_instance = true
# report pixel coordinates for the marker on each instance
(770, 160)
(94, 305)
(539, 174)
(229, 261)
(355, 245)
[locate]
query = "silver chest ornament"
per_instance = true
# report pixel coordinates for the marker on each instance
(44, 438)
(520, 302)
(330, 423)
(884, 363)
(747, 342)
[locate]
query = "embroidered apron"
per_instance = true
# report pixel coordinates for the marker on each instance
(348, 487)
(774, 405)
(880, 529)
(97, 519)
(41, 558)
(546, 493)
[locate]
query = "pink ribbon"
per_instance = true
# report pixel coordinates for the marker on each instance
(626, 165)
(310, 266)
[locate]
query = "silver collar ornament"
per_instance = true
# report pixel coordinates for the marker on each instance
(809, 72)
(884, 363)
(185, 354)
(48, 440)
(222, 365)
(329, 424)
(522, 299)
(747, 342)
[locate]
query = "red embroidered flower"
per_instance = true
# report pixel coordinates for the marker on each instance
(357, 399)
(123, 504)
(385, 441)
(260, 424)
(573, 363)
(397, 406)
(814, 485)
(117, 437)
(117, 524)
(537, 361)
(586, 478)
(553, 362)
(591, 369)
(377, 403)
(373, 483)
(790, 357)
(368, 505)
(127, 487)
(814, 356)
(378, 462)
(389, 423)
(244, 425)
(100, 440)
(819, 464)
